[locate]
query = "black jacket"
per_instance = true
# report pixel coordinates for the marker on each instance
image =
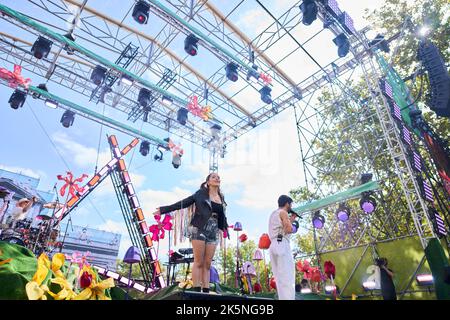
(203, 209)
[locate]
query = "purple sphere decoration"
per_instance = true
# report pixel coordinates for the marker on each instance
(368, 207)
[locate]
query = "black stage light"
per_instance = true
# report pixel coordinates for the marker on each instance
(141, 11)
(41, 48)
(343, 45)
(176, 161)
(182, 115)
(67, 118)
(98, 74)
(309, 10)
(265, 94)
(343, 213)
(144, 148)
(318, 220)
(190, 45)
(17, 99)
(144, 97)
(231, 71)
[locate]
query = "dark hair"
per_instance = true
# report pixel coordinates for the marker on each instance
(204, 186)
(283, 199)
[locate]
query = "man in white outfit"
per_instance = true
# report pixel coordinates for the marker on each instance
(21, 210)
(281, 226)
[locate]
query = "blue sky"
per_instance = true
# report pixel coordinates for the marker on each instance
(258, 167)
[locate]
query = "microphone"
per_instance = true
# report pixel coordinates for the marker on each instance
(293, 212)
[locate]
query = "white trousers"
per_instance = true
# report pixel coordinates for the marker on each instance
(283, 268)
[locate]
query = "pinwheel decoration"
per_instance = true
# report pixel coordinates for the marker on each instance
(158, 229)
(71, 184)
(15, 78)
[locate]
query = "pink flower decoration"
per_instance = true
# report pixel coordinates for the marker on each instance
(15, 78)
(158, 228)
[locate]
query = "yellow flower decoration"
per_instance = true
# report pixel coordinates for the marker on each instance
(57, 262)
(186, 284)
(35, 290)
(96, 290)
(4, 261)
(66, 292)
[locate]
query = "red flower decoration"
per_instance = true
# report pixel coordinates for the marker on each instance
(329, 269)
(158, 228)
(85, 280)
(243, 237)
(257, 287)
(71, 184)
(299, 266)
(272, 283)
(265, 78)
(316, 276)
(264, 241)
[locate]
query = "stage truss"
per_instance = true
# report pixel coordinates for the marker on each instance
(159, 61)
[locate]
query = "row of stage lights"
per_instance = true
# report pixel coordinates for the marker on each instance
(18, 97)
(141, 14)
(367, 203)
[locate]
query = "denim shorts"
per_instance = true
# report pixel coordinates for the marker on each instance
(208, 233)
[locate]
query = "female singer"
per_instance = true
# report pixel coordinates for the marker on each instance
(209, 217)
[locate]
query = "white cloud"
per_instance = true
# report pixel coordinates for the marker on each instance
(82, 155)
(114, 226)
(152, 199)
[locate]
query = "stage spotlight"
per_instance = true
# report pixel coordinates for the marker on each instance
(182, 116)
(318, 220)
(17, 99)
(190, 45)
(144, 148)
(343, 213)
(424, 279)
(215, 130)
(265, 94)
(367, 203)
(126, 80)
(380, 43)
(176, 160)
(41, 86)
(41, 48)
(167, 101)
(98, 75)
(69, 49)
(51, 103)
(343, 45)
(231, 72)
(366, 177)
(309, 10)
(140, 12)
(369, 285)
(144, 97)
(158, 157)
(67, 118)
(424, 30)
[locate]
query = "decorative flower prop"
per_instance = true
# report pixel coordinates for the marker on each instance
(197, 110)
(186, 284)
(243, 237)
(273, 283)
(257, 287)
(265, 78)
(15, 78)
(50, 272)
(264, 241)
(329, 269)
(35, 289)
(4, 261)
(299, 266)
(71, 184)
(157, 229)
(316, 275)
(95, 290)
